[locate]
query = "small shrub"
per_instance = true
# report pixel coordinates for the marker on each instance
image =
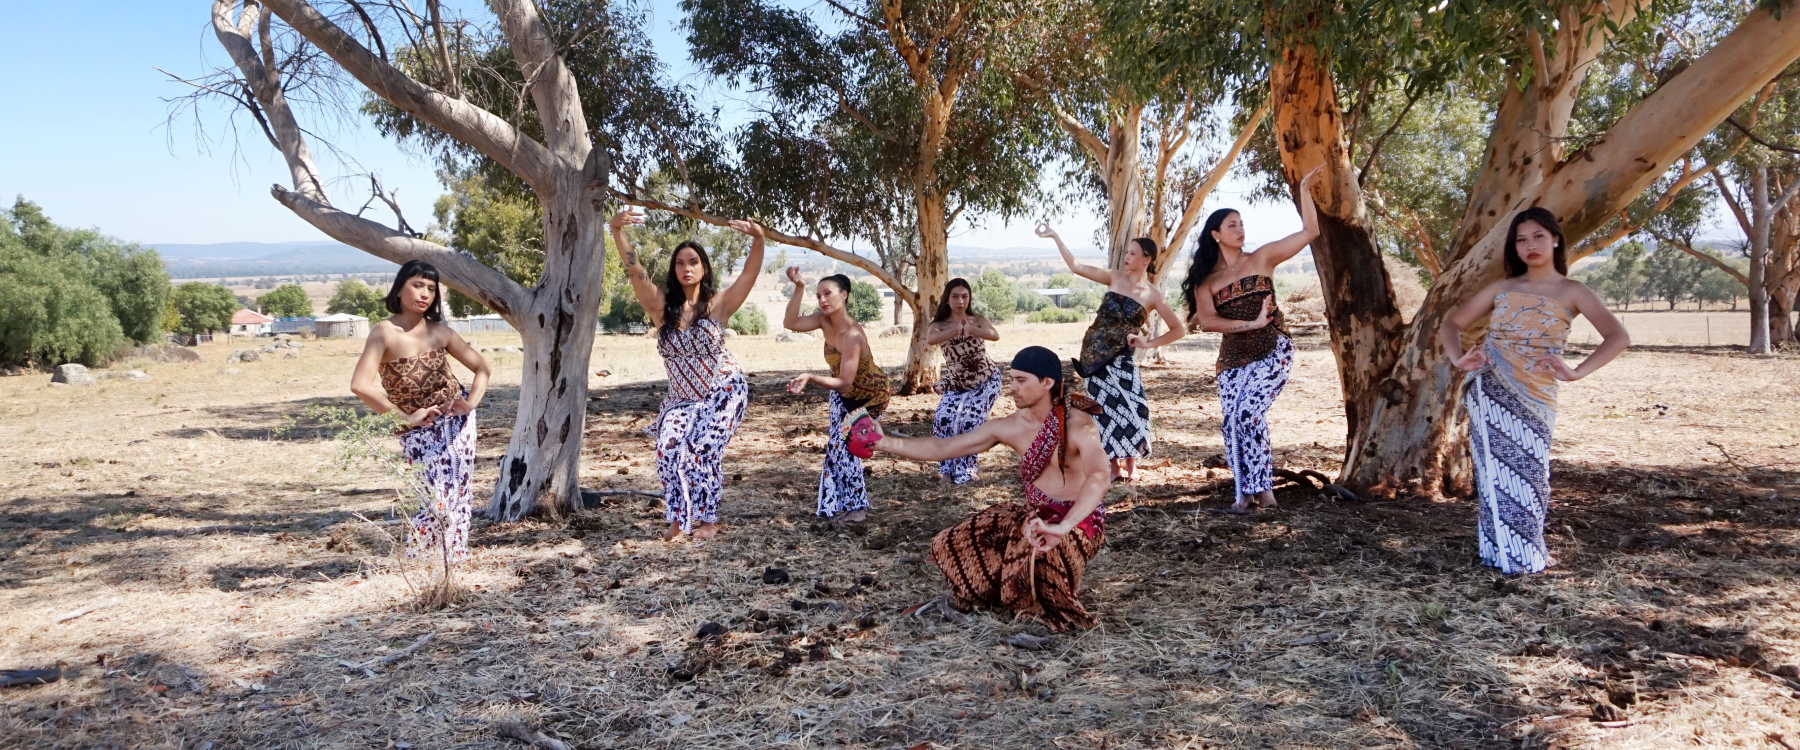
(749, 321)
(864, 304)
(1057, 315)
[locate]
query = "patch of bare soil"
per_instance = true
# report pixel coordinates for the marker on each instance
(255, 611)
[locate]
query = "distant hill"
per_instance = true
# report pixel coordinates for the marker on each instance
(267, 259)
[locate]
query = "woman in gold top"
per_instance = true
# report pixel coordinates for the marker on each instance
(855, 383)
(1511, 387)
(406, 353)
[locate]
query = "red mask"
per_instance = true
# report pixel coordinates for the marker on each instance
(860, 435)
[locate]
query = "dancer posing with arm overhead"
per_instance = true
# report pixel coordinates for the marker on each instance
(1108, 361)
(707, 390)
(855, 383)
(404, 368)
(1512, 382)
(1232, 292)
(970, 381)
(1027, 557)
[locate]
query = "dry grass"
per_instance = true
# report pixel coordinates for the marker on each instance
(245, 582)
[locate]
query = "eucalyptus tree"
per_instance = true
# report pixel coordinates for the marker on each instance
(1398, 389)
(416, 70)
(1141, 123)
(893, 110)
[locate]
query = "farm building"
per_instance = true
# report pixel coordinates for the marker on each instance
(292, 325)
(478, 324)
(342, 325)
(250, 323)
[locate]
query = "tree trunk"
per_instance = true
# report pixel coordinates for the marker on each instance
(1124, 180)
(1360, 311)
(933, 272)
(542, 466)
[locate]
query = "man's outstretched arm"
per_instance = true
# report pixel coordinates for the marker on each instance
(938, 449)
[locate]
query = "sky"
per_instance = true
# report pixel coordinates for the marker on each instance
(88, 136)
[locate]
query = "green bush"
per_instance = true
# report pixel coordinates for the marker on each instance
(287, 301)
(49, 315)
(1086, 299)
(356, 298)
(749, 320)
(1026, 298)
(865, 302)
(623, 310)
(204, 307)
(1057, 315)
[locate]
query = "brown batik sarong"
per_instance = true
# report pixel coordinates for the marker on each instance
(988, 562)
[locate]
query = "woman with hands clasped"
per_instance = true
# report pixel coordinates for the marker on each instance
(405, 367)
(1232, 292)
(1108, 364)
(708, 392)
(1511, 387)
(854, 382)
(969, 382)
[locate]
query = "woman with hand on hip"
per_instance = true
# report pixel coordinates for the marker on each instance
(1512, 382)
(1108, 363)
(969, 382)
(405, 368)
(708, 392)
(1232, 292)
(854, 382)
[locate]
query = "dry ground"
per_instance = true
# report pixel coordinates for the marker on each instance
(238, 579)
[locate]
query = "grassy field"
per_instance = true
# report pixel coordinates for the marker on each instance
(235, 579)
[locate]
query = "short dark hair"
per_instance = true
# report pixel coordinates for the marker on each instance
(413, 268)
(1515, 266)
(842, 282)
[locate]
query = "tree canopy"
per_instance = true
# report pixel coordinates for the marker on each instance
(73, 295)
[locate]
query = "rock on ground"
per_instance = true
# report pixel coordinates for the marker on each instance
(166, 352)
(72, 374)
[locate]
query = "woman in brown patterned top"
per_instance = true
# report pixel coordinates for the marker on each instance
(1108, 363)
(1232, 292)
(406, 354)
(855, 382)
(969, 382)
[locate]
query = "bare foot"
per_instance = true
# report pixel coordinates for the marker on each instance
(674, 531)
(855, 516)
(1266, 500)
(706, 531)
(944, 479)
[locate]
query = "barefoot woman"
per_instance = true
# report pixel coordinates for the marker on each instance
(1232, 292)
(707, 390)
(1108, 358)
(855, 382)
(1511, 386)
(1028, 557)
(970, 381)
(406, 353)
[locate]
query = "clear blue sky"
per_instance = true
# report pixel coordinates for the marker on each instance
(86, 135)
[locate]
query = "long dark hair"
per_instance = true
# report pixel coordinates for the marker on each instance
(434, 313)
(943, 310)
(1147, 246)
(1515, 266)
(674, 297)
(1206, 256)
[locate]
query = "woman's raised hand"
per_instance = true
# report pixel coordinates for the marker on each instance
(1310, 176)
(747, 227)
(627, 216)
(1044, 230)
(793, 274)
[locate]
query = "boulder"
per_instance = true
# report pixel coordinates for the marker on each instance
(138, 375)
(787, 336)
(283, 338)
(165, 352)
(231, 371)
(266, 348)
(899, 330)
(730, 334)
(72, 374)
(290, 354)
(245, 355)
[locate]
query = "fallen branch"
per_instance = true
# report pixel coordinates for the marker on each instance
(1779, 739)
(85, 611)
(17, 677)
(390, 658)
(590, 498)
(513, 730)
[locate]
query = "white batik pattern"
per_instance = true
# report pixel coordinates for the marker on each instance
(842, 488)
(1125, 412)
(690, 450)
(1246, 393)
(959, 412)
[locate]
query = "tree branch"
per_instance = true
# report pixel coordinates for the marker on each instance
(552, 85)
(1758, 140)
(1718, 263)
(1190, 214)
(480, 129)
(1362, 175)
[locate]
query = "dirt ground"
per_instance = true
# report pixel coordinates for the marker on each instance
(234, 581)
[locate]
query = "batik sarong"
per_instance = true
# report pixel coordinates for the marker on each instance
(1512, 419)
(1245, 394)
(444, 451)
(690, 450)
(988, 563)
(842, 487)
(1125, 419)
(959, 412)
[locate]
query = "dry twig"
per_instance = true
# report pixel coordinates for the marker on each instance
(390, 658)
(85, 611)
(513, 730)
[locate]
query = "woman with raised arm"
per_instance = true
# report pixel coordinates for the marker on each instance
(969, 382)
(707, 390)
(1108, 363)
(404, 369)
(1232, 292)
(855, 383)
(1512, 382)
